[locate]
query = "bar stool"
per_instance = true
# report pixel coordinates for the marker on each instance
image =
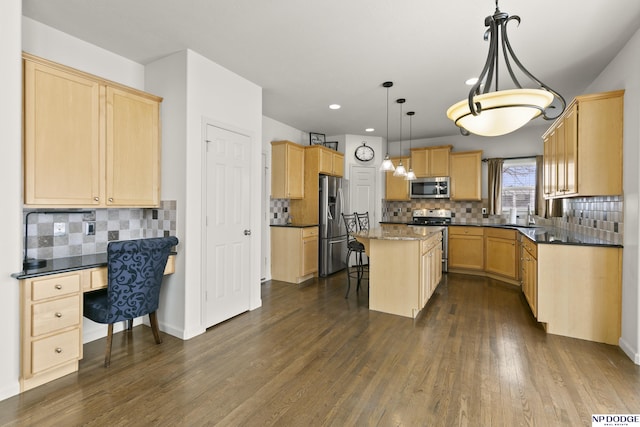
(361, 270)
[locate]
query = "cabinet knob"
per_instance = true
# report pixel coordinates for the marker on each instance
(58, 350)
(110, 199)
(58, 315)
(58, 286)
(97, 199)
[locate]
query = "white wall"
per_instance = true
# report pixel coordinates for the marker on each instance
(624, 73)
(10, 193)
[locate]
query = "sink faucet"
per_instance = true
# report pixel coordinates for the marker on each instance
(530, 220)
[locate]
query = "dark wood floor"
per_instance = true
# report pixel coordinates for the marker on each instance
(309, 357)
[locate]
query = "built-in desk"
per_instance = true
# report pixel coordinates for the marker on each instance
(51, 315)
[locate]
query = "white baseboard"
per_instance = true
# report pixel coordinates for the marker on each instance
(629, 351)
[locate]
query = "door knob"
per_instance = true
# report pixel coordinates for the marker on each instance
(247, 232)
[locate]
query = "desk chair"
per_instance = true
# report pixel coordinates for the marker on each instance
(353, 246)
(135, 270)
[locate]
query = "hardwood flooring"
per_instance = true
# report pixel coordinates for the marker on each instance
(310, 357)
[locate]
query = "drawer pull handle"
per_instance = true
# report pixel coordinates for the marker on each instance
(58, 315)
(58, 350)
(58, 286)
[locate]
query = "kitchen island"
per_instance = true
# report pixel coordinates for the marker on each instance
(405, 267)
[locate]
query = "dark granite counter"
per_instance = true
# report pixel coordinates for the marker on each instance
(63, 265)
(544, 234)
(294, 225)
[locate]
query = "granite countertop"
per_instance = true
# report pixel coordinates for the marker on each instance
(544, 234)
(399, 233)
(294, 225)
(63, 265)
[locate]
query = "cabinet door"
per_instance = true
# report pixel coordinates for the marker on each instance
(325, 158)
(530, 280)
(571, 151)
(420, 162)
(61, 137)
(439, 161)
(132, 150)
(309, 255)
(501, 256)
(548, 168)
(466, 251)
(560, 157)
(466, 175)
(397, 186)
(338, 164)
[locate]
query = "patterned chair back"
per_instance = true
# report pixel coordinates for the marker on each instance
(135, 270)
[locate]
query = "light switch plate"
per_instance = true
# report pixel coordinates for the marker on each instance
(59, 228)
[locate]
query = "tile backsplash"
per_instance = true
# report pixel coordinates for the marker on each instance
(278, 211)
(110, 224)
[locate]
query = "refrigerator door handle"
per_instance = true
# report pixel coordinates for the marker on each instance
(339, 210)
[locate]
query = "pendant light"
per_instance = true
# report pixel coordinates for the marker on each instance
(499, 112)
(387, 164)
(410, 175)
(400, 170)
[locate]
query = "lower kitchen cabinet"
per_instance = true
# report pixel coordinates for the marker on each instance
(294, 253)
(501, 252)
(430, 267)
(50, 328)
(529, 279)
(466, 248)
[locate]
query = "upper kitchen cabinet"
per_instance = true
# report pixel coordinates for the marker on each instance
(466, 175)
(397, 188)
(287, 170)
(88, 142)
(430, 161)
(583, 148)
(330, 162)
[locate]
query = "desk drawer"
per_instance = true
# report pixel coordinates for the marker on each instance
(54, 315)
(56, 350)
(55, 286)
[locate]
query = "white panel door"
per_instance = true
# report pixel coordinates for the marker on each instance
(228, 238)
(362, 191)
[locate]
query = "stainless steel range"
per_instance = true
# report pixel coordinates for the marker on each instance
(436, 217)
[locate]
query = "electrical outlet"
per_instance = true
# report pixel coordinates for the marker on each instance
(59, 228)
(90, 228)
(484, 211)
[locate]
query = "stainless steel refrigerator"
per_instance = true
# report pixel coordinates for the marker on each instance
(333, 234)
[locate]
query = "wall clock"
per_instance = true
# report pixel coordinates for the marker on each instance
(364, 153)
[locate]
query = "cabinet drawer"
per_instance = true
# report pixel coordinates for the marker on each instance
(53, 315)
(99, 278)
(55, 286)
(56, 350)
(530, 247)
(500, 233)
(309, 232)
(468, 231)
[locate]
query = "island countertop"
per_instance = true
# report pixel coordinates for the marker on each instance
(400, 232)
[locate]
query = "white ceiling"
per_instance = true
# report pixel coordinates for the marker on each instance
(307, 54)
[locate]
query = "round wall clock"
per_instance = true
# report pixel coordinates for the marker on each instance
(364, 153)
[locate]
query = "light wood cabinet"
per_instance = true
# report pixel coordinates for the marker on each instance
(294, 253)
(466, 248)
(501, 252)
(51, 310)
(466, 178)
(331, 162)
(583, 148)
(529, 279)
(397, 188)
(287, 170)
(88, 142)
(430, 161)
(430, 268)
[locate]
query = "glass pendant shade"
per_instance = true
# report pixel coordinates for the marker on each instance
(501, 112)
(400, 170)
(387, 165)
(410, 175)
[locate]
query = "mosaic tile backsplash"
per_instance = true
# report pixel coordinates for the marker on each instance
(110, 224)
(278, 211)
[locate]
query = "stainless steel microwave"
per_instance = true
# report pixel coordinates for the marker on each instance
(430, 188)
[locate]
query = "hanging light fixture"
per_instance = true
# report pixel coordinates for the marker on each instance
(387, 164)
(498, 112)
(410, 175)
(400, 170)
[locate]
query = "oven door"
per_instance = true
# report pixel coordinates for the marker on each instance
(430, 188)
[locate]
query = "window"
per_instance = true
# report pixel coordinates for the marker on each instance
(519, 185)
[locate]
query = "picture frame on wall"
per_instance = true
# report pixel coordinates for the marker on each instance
(331, 144)
(316, 138)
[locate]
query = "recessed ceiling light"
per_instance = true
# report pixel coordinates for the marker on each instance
(471, 81)
(369, 129)
(334, 106)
